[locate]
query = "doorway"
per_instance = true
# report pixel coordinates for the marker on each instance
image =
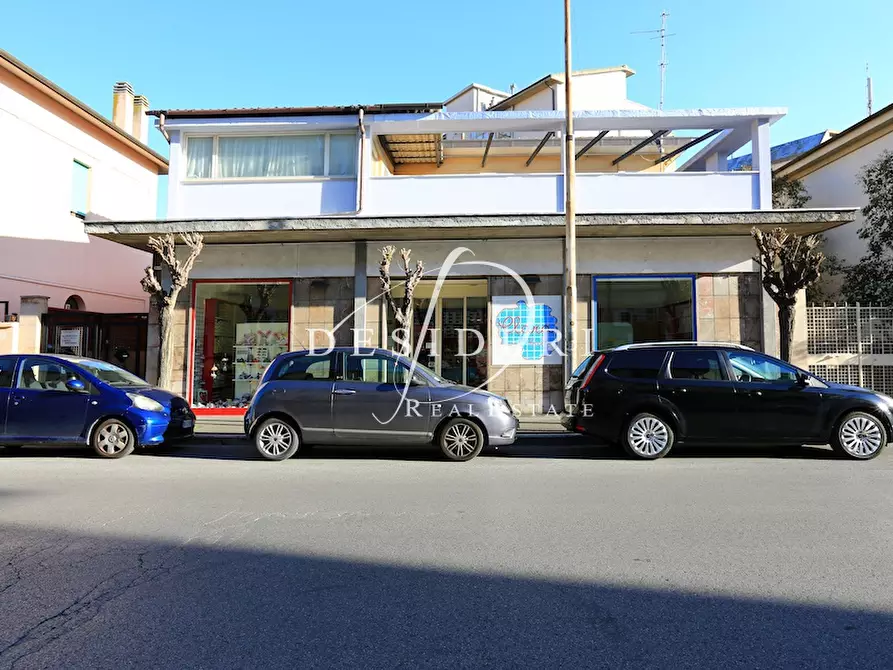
(455, 343)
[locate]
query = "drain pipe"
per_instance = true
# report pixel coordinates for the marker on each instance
(360, 161)
(162, 128)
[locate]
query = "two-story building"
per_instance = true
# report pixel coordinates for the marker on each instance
(296, 203)
(64, 163)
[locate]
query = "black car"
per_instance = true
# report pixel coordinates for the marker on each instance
(648, 397)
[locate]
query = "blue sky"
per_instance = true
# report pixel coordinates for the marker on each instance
(806, 55)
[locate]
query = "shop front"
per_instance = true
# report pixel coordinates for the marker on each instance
(238, 328)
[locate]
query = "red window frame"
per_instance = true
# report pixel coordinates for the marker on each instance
(190, 367)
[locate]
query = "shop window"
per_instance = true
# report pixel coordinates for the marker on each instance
(643, 309)
(239, 329)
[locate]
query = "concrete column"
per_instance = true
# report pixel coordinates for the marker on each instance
(360, 295)
(770, 324)
(762, 162)
(31, 323)
(717, 163)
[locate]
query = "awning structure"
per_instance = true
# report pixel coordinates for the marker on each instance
(401, 149)
(333, 229)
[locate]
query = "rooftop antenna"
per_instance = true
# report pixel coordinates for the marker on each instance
(662, 36)
(868, 91)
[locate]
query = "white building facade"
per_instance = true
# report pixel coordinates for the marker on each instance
(296, 204)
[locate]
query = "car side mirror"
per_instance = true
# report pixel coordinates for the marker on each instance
(75, 385)
(802, 379)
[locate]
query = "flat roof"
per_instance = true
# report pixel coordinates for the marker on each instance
(330, 110)
(38, 81)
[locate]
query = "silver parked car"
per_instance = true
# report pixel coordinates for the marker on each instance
(361, 396)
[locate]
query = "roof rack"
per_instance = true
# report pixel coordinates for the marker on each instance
(646, 345)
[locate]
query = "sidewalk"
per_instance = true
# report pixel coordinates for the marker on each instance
(230, 427)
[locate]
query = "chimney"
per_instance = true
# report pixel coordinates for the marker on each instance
(122, 106)
(140, 121)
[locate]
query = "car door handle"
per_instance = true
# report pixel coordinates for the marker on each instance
(344, 392)
(756, 393)
(679, 391)
(16, 399)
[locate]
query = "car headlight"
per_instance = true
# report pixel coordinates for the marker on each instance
(498, 405)
(146, 403)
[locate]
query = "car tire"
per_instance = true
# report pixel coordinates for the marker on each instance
(276, 440)
(460, 439)
(647, 437)
(860, 436)
(113, 439)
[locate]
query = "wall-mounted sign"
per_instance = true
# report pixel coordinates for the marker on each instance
(513, 319)
(70, 338)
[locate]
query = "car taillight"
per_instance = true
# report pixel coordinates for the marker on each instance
(592, 369)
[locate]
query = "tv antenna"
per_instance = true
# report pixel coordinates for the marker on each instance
(662, 35)
(868, 89)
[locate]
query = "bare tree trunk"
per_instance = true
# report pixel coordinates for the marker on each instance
(166, 349)
(785, 331)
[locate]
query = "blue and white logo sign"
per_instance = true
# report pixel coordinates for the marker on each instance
(513, 319)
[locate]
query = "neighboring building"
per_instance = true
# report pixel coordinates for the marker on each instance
(830, 174)
(64, 163)
(782, 154)
(296, 203)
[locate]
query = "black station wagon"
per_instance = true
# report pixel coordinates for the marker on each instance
(648, 397)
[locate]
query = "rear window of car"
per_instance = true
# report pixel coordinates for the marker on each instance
(584, 366)
(6, 368)
(637, 363)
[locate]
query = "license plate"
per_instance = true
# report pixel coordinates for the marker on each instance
(188, 423)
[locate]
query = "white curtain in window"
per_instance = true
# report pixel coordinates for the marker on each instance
(296, 156)
(199, 151)
(342, 155)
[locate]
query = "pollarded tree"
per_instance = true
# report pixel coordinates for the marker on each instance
(871, 279)
(165, 296)
(412, 276)
(790, 264)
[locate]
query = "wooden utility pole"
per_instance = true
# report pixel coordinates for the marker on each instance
(570, 233)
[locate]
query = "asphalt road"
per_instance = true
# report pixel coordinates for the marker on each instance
(553, 554)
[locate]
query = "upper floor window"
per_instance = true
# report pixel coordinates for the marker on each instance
(80, 189)
(260, 156)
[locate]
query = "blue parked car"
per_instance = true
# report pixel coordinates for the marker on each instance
(68, 400)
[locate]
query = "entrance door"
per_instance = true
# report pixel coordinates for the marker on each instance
(42, 408)
(454, 346)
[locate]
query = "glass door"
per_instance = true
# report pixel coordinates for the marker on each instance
(454, 345)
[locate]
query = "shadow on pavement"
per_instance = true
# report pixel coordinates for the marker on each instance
(105, 602)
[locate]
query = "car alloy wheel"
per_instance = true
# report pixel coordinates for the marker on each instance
(113, 439)
(648, 436)
(276, 440)
(861, 436)
(461, 440)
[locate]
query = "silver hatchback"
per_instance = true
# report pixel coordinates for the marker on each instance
(371, 396)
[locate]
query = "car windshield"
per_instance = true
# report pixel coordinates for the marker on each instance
(110, 374)
(428, 371)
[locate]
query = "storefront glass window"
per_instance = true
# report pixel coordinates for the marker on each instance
(643, 310)
(239, 329)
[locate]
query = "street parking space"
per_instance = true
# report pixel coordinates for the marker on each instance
(548, 553)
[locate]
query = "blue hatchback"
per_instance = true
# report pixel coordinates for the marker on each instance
(68, 400)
